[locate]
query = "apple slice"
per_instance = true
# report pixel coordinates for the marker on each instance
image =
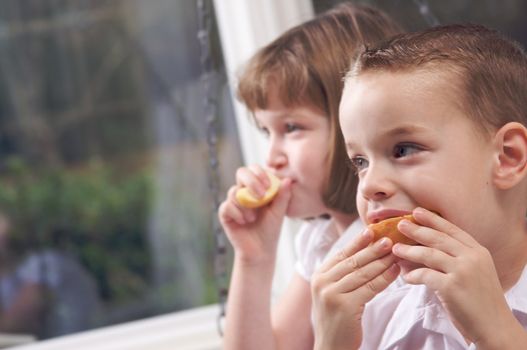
(388, 228)
(247, 200)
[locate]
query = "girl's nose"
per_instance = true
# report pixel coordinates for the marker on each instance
(276, 157)
(376, 184)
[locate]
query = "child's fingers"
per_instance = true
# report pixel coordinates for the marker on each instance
(364, 275)
(361, 259)
(358, 243)
(423, 255)
(436, 222)
(430, 237)
(370, 289)
(230, 211)
(261, 174)
(431, 278)
(255, 182)
(347, 265)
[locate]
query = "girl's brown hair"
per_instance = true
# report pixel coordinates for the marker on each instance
(306, 66)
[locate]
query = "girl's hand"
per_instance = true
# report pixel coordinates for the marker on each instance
(254, 233)
(344, 284)
(460, 270)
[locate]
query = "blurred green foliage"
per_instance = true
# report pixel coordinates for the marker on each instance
(95, 214)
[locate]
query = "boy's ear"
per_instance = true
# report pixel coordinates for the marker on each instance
(511, 163)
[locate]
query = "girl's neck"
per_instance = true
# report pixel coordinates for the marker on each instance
(342, 221)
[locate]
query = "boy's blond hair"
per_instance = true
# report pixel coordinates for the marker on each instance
(306, 65)
(489, 70)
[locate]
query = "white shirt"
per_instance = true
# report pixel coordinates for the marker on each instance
(318, 239)
(404, 316)
(347, 236)
(411, 317)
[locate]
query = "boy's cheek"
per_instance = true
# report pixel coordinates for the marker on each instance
(361, 208)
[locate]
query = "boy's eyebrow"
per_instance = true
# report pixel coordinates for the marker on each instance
(397, 131)
(405, 130)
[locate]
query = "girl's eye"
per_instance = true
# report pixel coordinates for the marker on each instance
(289, 127)
(359, 163)
(405, 150)
(265, 131)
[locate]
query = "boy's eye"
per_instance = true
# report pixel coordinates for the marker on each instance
(404, 150)
(359, 163)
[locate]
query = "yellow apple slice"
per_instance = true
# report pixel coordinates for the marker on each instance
(247, 200)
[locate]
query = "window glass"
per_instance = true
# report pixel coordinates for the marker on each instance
(106, 212)
(505, 16)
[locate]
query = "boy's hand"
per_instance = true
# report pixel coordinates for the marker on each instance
(254, 232)
(344, 284)
(460, 270)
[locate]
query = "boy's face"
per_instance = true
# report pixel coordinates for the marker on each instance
(412, 146)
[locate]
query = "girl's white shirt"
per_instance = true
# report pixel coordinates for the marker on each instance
(318, 239)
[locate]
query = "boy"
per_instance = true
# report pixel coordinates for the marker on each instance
(436, 120)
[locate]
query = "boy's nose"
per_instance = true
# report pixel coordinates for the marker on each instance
(375, 184)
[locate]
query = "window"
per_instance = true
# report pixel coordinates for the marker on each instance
(105, 207)
(508, 17)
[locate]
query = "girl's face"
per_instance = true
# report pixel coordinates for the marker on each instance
(299, 139)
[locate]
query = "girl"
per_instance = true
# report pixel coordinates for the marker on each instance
(293, 87)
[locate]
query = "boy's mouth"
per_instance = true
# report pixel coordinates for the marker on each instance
(376, 216)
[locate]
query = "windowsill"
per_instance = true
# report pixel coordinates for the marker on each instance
(9, 340)
(193, 329)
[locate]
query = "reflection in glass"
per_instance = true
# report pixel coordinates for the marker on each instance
(105, 212)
